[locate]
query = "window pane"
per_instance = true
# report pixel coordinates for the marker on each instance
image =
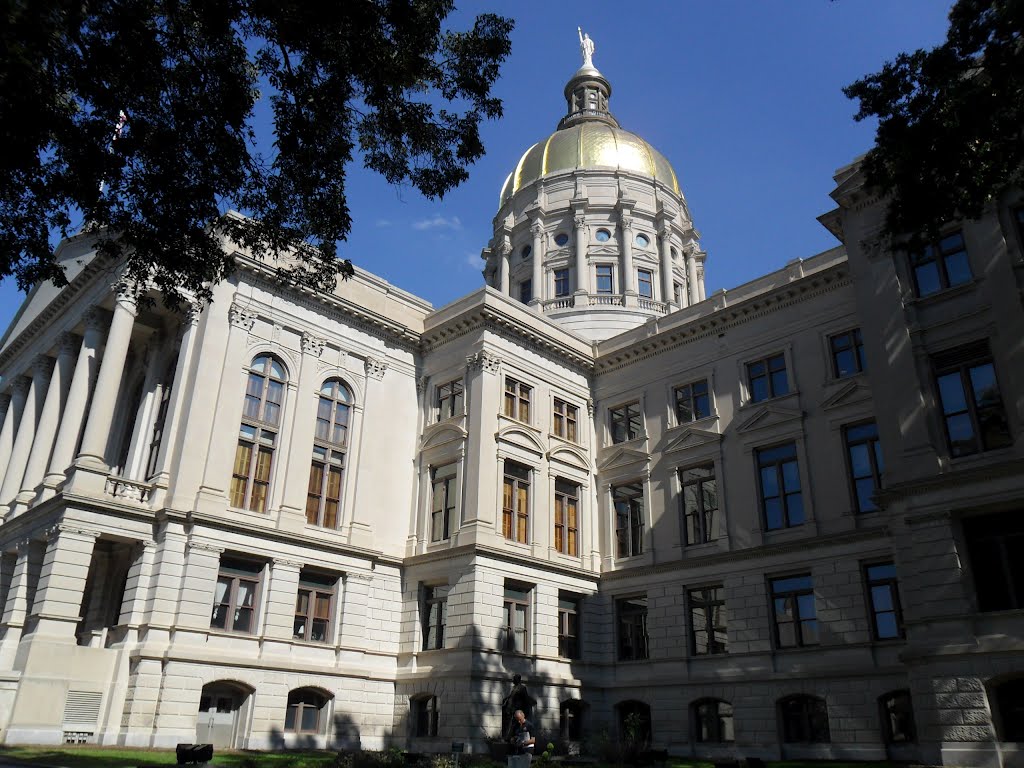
(310, 717)
(957, 268)
(927, 277)
(951, 391)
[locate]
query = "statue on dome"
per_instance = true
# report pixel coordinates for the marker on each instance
(586, 48)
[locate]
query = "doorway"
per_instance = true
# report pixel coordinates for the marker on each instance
(222, 708)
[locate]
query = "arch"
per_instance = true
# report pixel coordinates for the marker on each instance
(633, 718)
(571, 456)
(1006, 699)
(306, 710)
(262, 411)
(424, 717)
(440, 434)
(571, 721)
(803, 719)
(712, 721)
(223, 713)
(896, 713)
(532, 442)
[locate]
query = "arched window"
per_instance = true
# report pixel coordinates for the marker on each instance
(424, 717)
(323, 501)
(1009, 701)
(305, 713)
(571, 719)
(712, 721)
(897, 717)
(634, 720)
(258, 434)
(804, 720)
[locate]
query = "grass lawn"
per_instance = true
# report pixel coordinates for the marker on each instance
(118, 757)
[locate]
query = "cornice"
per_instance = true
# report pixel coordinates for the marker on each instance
(474, 550)
(958, 478)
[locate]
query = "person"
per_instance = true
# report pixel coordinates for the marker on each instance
(523, 736)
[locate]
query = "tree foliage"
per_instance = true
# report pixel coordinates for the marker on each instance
(951, 120)
(381, 79)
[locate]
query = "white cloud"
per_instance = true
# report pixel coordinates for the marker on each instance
(474, 262)
(437, 221)
(383, 223)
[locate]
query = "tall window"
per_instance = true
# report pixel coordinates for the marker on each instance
(633, 639)
(692, 402)
(257, 435)
(994, 545)
(305, 707)
(517, 618)
(897, 714)
(701, 522)
(568, 626)
(159, 422)
(677, 293)
(570, 724)
(517, 400)
(313, 604)
(713, 722)
(424, 716)
(804, 720)
(566, 417)
(940, 265)
(628, 501)
(604, 282)
(526, 291)
(323, 498)
(796, 619)
(442, 506)
(567, 502)
(645, 283)
(972, 407)
(434, 615)
(767, 378)
(234, 597)
(561, 282)
(515, 505)
(449, 400)
(847, 353)
(865, 455)
(884, 598)
(626, 422)
(781, 499)
(708, 631)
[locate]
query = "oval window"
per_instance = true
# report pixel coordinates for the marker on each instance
(525, 253)
(603, 235)
(561, 239)
(643, 241)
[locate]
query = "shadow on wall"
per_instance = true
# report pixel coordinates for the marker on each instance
(344, 734)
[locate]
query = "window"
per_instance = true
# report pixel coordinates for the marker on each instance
(634, 722)
(897, 718)
(434, 615)
(643, 241)
(994, 545)
(701, 521)
(712, 720)
(565, 420)
(159, 423)
(604, 278)
(449, 399)
(568, 626)
(515, 505)
(708, 634)
(804, 720)
(796, 620)
(567, 502)
(692, 402)
(645, 283)
(561, 239)
(767, 378)
(517, 400)
(972, 408)
(781, 500)
(677, 294)
(561, 282)
(626, 422)
(303, 715)
(940, 265)
(323, 498)
(257, 435)
(603, 236)
(525, 252)
(424, 715)
(1009, 699)
(628, 501)
(865, 455)
(570, 724)
(517, 618)
(234, 597)
(884, 599)
(313, 604)
(526, 291)
(632, 613)
(442, 505)
(847, 353)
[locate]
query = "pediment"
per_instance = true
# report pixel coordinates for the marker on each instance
(567, 454)
(441, 434)
(850, 393)
(521, 436)
(769, 416)
(623, 457)
(603, 250)
(692, 437)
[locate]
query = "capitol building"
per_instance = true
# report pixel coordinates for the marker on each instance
(783, 520)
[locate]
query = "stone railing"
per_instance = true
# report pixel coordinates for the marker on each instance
(562, 302)
(605, 299)
(653, 306)
(128, 490)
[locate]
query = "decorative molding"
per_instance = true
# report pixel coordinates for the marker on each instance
(579, 222)
(204, 546)
(537, 229)
(421, 384)
(691, 437)
(312, 345)
(626, 222)
(68, 344)
(241, 317)
(366, 578)
(286, 563)
(483, 361)
(61, 529)
(375, 368)
(770, 416)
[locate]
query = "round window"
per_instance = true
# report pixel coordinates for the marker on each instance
(643, 241)
(603, 235)
(525, 253)
(561, 239)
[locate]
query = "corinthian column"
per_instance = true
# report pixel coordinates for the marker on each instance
(628, 277)
(537, 230)
(691, 276)
(11, 419)
(582, 275)
(26, 432)
(504, 252)
(667, 294)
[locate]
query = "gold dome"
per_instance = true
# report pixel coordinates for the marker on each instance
(589, 144)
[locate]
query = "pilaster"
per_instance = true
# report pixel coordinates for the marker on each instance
(372, 445)
(198, 585)
(62, 581)
(355, 605)
(16, 607)
(280, 603)
(168, 570)
(297, 463)
(137, 585)
(580, 224)
(479, 486)
(537, 251)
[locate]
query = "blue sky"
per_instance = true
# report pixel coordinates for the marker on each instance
(743, 98)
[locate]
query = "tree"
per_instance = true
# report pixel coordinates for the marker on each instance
(951, 120)
(193, 80)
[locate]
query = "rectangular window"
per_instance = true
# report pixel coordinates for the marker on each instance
(972, 407)
(515, 505)
(323, 495)
(234, 597)
(561, 282)
(442, 507)
(626, 422)
(847, 353)
(517, 618)
(701, 522)
(677, 293)
(865, 455)
(250, 478)
(567, 503)
(692, 402)
(796, 619)
(645, 283)
(434, 613)
(628, 501)
(884, 598)
(517, 400)
(782, 503)
(313, 605)
(633, 641)
(994, 545)
(604, 282)
(424, 716)
(568, 626)
(708, 634)
(941, 265)
(566, 418)
(449, 399)
(526, 291)
(767, 378)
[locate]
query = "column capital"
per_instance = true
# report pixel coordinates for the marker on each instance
(375, 368)
(241, 317)
(313, 345)
(21, 385)
(421, 384)
(579, 221)
(42, 365)
(537, 228)
(22, 547)
(68, 344)
(127, 292)
(283, 562)
(190, 313)
(483, 361)
(69, 529)
(95, 319)
(626, 221)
